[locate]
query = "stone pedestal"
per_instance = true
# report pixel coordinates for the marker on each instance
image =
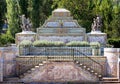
(97, 36)
(112, 55)
(25, 35)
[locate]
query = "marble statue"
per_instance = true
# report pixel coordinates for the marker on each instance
(26, 23)
(97, 24)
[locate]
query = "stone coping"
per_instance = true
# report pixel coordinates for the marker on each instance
(26, 32)
(61, 10)
(63, 56)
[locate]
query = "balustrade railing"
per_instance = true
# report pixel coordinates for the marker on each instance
(57, 54)
(62, 51)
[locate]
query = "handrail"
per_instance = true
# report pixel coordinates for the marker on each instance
(21, 70)
(101, 66)
(90, 59)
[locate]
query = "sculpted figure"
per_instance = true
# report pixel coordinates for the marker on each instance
(26, 23)
(97, 24)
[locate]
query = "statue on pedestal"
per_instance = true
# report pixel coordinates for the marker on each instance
(97, 24)
(26, 23)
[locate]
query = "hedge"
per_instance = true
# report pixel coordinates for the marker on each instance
(114, 42)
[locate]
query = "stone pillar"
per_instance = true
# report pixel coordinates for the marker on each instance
(112, 55)
(1, 67)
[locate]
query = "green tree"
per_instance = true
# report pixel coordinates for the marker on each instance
(115, 27)
(2, 12)
(23, 6)
(35, 13)
(13, 16)
(40, 10)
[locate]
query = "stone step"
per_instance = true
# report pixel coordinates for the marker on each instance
(44, 62)
(91, 71)
(99, 75)
(32, 69)
(110, 79)
(40, 64)
(81, 64)
(88, 69)
(60, 59)
(96, 73)
(7, 82)
(109, 82)
(77, 62)
(36, 66)
(84, 67)
(13, 80)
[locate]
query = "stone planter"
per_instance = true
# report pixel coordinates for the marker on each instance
(24, 50)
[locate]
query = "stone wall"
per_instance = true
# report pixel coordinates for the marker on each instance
(9, 54)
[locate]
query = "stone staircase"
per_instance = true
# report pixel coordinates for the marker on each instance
(89, 69)
(33, 69)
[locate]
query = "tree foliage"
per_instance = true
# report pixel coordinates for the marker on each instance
(2, 12)
(40, 10)
(80, 9)
(13, 16)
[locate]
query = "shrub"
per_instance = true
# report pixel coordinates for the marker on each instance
(78, 43)
(114, 42)
(39, 43)
(58, 43)
(95, 44)
(6, 39)
(45, 43)
(25, 43)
